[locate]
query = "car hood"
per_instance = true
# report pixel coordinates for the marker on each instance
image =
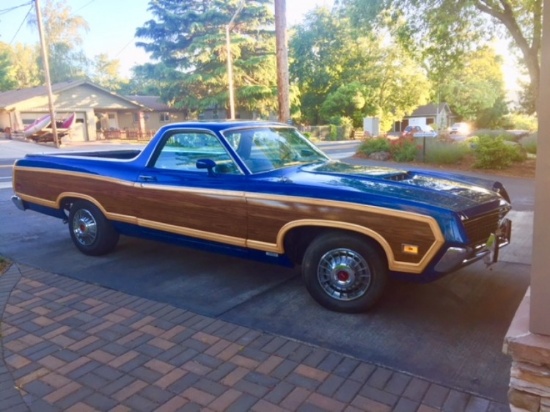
(454, 192)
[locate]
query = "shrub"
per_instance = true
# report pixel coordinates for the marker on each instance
(529, 143)
(377, 144)
(509, 136)
(446, 153)
(520, 121)
(495, 153)
(404, 149)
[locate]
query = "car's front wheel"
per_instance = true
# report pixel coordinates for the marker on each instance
(344, 272)
(91, 232)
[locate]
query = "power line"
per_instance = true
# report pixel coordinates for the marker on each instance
(21, 25)
(4, 11)
(121, 50)
(86, 5)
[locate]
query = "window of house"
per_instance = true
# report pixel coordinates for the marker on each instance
(136, 117)
(165, 117)
(111, 115)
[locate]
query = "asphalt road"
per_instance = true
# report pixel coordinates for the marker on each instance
(450, 331)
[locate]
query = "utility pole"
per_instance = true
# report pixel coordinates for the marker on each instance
(282, 61)
(46, 71)
(228, 28)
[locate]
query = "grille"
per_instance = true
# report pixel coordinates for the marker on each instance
(480, 228)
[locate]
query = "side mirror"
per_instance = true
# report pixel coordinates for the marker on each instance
(206, 164)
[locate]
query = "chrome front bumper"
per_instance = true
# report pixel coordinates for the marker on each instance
(456, 257)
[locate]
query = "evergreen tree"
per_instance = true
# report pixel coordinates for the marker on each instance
(188, 38)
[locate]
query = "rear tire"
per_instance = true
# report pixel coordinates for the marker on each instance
(91, 232)
(344, 272)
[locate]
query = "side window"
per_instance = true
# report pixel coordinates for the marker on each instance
(182, 150)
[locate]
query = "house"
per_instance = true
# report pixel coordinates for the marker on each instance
(100, 113)
(439, 116)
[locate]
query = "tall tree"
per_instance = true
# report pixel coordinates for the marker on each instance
(25, 69)
(475, 90)
(105, 72)
(448, 24)
(189, 39)
(7, 81)
(63, 36)
(342, 72)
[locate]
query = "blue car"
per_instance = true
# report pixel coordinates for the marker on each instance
(261, 190)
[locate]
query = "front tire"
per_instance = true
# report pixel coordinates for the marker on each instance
(344, 272)
(91, 232)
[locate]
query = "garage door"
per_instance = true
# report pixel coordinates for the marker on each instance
(78, 131)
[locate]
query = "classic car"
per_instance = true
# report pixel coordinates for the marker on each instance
(261, 190)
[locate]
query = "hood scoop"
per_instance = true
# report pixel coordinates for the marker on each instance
(378, 172)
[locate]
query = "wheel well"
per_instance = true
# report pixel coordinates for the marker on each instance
(298, 239)
(66, 203)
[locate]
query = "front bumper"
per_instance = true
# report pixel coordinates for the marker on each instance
(456, 257)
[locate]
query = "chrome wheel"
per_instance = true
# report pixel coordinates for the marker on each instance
(343, 274)
(84, 227)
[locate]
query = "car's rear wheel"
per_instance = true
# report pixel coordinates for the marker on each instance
(344, 272)
(91, 232)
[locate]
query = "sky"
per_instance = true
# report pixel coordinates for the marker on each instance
(112, 25)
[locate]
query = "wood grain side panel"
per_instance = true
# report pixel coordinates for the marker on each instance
(209, 213)
(268, 216)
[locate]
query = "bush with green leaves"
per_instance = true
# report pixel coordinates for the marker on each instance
(529, 143)
(446, 153)
(520, 121)
(404, 149)
(496, 153)
(374, 145)
(494, 133)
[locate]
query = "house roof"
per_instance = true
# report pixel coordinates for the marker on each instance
(152, 102)
(11, 98)
(431, 109)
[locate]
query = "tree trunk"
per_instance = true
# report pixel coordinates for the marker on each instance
(531, 51)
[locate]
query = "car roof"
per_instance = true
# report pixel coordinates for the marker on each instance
(221, 125)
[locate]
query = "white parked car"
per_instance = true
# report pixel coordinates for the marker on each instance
(460, 128)
(419, 131)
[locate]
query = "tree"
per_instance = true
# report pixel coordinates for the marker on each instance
(189, 39)
(62, 33)
(343, 72)
(447, 25)
(318, 49)
(106, 72)
(25, 69)
(475, 90)
(6, 78)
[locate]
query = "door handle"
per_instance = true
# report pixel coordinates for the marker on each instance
(145, 178)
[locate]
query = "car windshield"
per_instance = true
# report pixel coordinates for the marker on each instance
(263, 149)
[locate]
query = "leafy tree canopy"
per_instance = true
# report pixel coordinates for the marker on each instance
(105, 72)
(62, 33)
(476, 89)
(189, 39)
(344, 72)
(6, 79)
(445, 30)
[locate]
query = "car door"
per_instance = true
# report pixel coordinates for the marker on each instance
(178, 197)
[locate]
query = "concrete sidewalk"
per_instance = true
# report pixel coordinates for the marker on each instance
(71, 346)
